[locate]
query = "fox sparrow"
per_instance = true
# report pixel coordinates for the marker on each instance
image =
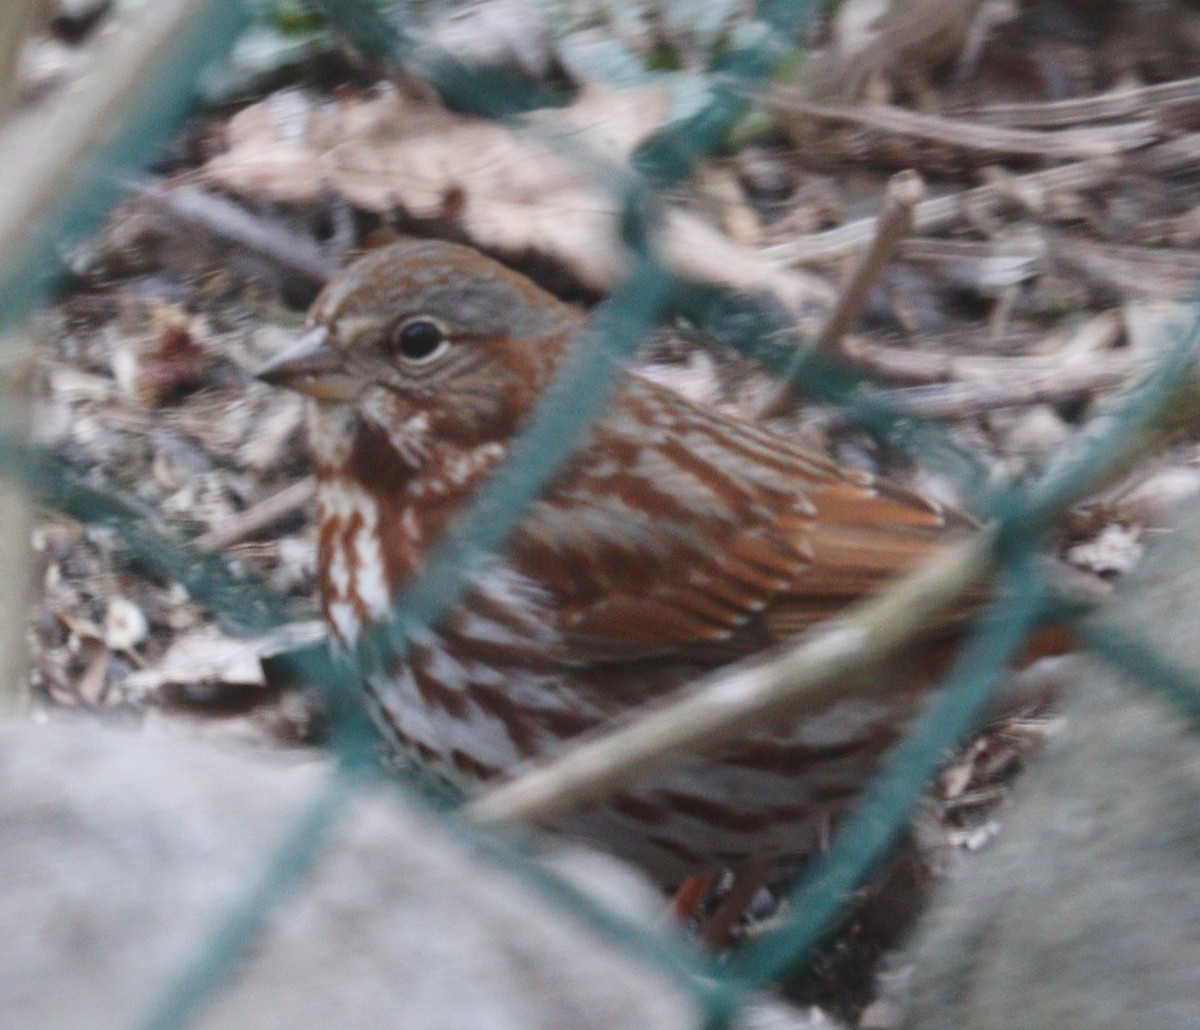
(678, 539)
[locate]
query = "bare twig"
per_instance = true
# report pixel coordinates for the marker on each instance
(990, 267)
(820, 669)
(939, 212)
(1154, 272)
(958, 386)
(964, 399)
(904, 191)
(1174, 155)
(728, 704)
(696, 251)
(1095, 338)
(253, 520)
(229, 221)
(1066, 144)
(1119, 103)
(920, 33)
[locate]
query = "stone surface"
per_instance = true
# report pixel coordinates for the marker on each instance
(1086, 911)
(121, 854)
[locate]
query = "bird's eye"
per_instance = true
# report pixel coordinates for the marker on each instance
(420, 340)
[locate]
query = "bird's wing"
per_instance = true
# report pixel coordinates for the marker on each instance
(682, 531)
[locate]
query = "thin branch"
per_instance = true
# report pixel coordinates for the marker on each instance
(965, 399)
(1173, 155)
(698, 252)
(723, 707)
(1093, 341)
(989, 267)
(290, 499)
(940, 212)
(1118, 103)
(229, 221)
(1065, 144)
(1152, 272)
(904, 192)
(819, 669)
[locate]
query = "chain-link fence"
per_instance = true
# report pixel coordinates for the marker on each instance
(175, 42)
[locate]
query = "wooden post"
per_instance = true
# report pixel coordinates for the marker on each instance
(18, 18)
(16, 524)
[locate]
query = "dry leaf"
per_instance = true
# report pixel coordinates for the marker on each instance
(545, 189)
(206, 655)
(1116, 549)
(512, 191)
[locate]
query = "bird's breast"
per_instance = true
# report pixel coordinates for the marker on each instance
(376, 533)
(355, 588)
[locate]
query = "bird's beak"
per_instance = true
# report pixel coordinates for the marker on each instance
(314, 367)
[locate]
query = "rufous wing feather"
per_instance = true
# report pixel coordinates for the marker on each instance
(764, 550)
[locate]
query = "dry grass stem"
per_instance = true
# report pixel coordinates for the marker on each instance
(698, 252)
(940, 212)
(1133, 271)
(904, 192)
(1140, 101)
(906, 33)
(1095, 338)
(808, 675)
(1064, 145)
(966, 399)
(723, 707)
(290, 499)
(1173, 155)
(233, 223)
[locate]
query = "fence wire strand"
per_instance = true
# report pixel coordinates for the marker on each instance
(870, 832)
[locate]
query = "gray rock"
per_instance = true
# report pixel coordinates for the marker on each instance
(120, 854)
(1086, 911)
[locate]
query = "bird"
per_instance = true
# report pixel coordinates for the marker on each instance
(678, 539)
